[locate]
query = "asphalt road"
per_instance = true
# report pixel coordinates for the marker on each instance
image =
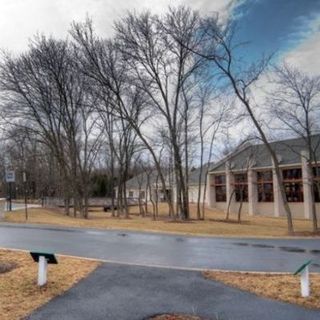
(150, 249)
(137, 293)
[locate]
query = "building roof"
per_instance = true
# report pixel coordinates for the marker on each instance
(141, 179)
(194, 174)
(288, 152)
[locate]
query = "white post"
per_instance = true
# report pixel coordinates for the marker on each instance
(42, 271)
(304, 282)
(307, 188)
(278, 207)
(211, 192)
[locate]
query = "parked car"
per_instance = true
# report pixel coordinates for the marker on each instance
(108, 207)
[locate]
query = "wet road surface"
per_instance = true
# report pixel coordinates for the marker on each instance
(150, 249)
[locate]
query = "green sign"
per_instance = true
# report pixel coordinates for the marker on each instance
(50, 257)
(301, 268)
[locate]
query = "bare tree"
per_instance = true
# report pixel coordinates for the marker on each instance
(140, 177)
(51, 99)
(218, 49)
(212, 112)
(295, 102)
(104, 63)
(161, 66)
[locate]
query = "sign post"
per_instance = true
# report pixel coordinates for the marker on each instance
(304, 279)
(43, 259)
(25, 194)
(10, 178)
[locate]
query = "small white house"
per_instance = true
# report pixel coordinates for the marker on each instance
(138, 186)
(146, 186)
(194, 177)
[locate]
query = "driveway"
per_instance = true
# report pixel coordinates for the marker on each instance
(173, 251)
(135, 293)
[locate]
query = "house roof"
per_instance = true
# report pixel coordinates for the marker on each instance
(195, 174)
(141, 180)
(288, 152)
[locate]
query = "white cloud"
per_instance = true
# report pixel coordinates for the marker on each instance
(20, 20)
(306, 55)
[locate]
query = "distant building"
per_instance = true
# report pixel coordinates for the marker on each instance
(139, 187)
(194, 177)
(248, 175)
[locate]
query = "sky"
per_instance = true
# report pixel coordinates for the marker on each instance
(290, 29)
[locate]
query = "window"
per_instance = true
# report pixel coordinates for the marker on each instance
(316, 185)
(221, 179)
(316, 172)
(130, 194)
(220, 188)
(292, 174)
(241, 187)
(292, 180)
(265, 186)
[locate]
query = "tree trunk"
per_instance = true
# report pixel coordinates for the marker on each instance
(240, 205)
(229, 204)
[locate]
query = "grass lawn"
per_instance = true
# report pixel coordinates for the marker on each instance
(19, 293)
(283, 287)
(214, 225)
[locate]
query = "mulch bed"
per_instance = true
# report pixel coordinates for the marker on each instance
(231, 221)
(7, 266)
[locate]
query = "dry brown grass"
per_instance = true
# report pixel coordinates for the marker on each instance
(19, 293)
(214, 225)
(283, 287)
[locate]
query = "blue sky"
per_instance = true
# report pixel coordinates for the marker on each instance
(275, 26)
